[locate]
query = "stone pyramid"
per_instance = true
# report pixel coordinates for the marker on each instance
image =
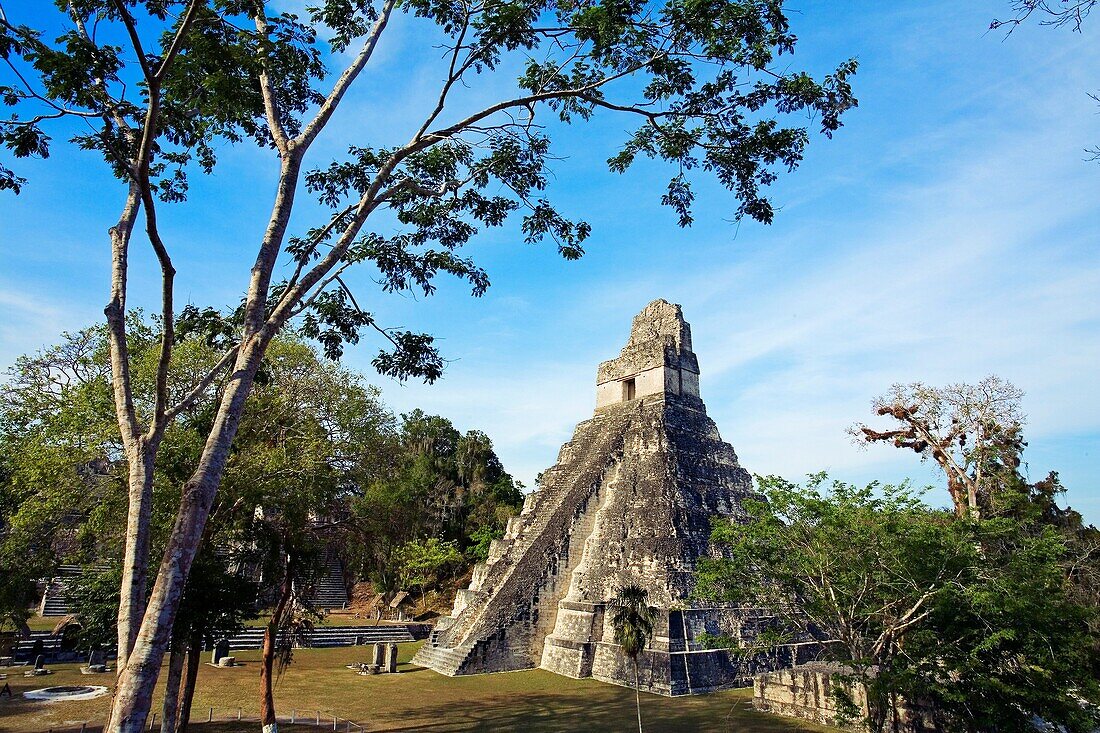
(630, 501)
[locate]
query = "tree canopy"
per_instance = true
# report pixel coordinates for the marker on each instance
(155, 88)
(978, 621)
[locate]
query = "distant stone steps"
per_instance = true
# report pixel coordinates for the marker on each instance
(252, 638)
(330, 590)
(54, 600)
(332, 636)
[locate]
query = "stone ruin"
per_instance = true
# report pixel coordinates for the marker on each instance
(630, 501)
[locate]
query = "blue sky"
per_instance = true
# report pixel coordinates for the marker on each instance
(947, 232)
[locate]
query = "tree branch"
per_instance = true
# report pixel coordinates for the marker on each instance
(201, 386)
(309, 134)
(177, 40)
(271, 110)
(135, 41)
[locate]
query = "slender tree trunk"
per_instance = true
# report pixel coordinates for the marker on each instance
(141, 458)
(268, 720)
(169, 710)
(137, 680)
(271, 638)
(187, 691)
(637, 695)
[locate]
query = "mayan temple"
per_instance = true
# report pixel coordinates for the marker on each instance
(629, 501)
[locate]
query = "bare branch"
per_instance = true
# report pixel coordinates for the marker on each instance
(116, 319)
(177, 40)
(309, 134)
(135, 40)
(271, 110)
(201, 386)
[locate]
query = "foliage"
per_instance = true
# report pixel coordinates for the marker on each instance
(974, 433)
(857, 567)
(57, 441)
(93, 597)
(976, 619)
(1011, 643)
(217, 602)
(443, 485)
(480, 541)
(423, 564)
(632, 620)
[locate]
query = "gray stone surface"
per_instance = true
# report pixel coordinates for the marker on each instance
(379, 651)
(221, 649)
(630, 501)
(814, 692)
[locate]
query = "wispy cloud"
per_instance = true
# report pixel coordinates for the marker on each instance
(31, 321)
(985, 265)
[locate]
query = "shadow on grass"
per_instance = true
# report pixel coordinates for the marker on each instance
(532, 713)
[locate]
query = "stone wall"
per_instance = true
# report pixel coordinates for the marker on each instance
(814, 692)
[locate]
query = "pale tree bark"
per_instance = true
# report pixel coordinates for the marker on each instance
(139, 481)
(132, 601)
(170, 708)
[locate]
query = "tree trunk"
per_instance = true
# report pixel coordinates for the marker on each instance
(957, 490)
(637, 695)
(267, 702)
(271, 638)
(169, 710)
(187, 692)
(141, 458)
(138, 678)
(972, 500)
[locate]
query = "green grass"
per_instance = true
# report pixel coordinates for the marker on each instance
(43, 623)
(415, 700)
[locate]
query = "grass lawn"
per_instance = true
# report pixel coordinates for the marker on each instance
(43, 623)
(415, 700)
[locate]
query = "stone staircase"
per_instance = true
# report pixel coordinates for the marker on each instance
(517, 585)
(330, 591)
(252, 638)
(54, 602)
(441, 658)
(332, 636)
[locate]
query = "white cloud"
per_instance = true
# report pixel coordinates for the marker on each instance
(943, 279)
(30, 322)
